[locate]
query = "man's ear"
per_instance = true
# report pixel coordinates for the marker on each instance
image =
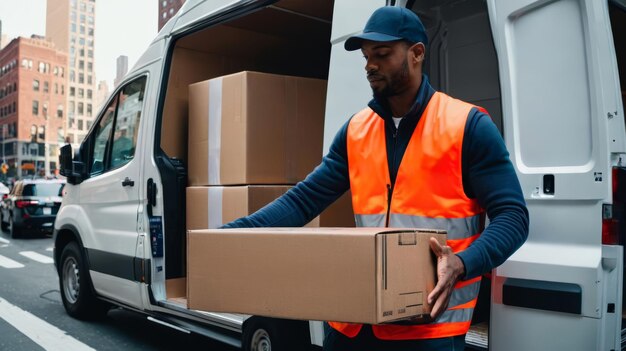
(417, 53)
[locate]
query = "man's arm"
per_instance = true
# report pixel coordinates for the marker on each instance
(489, 177)
(309, 197)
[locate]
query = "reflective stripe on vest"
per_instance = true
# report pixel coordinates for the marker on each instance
(428, 193)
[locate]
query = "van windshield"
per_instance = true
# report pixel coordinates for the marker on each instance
(50, 189)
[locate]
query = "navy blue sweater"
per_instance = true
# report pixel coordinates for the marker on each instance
(488, 177)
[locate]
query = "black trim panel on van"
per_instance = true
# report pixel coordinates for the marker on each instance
(121, 266)
(542, 295)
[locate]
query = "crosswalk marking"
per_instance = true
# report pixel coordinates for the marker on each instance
(4, 241)
(43, 333)
(37, 256)
(9, 263)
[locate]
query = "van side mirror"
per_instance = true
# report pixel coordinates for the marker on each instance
(72, 170)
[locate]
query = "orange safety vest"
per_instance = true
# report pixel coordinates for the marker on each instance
(428, 193)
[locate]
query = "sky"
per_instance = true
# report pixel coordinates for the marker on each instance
(123, 27)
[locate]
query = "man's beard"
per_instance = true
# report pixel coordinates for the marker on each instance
(394, 84)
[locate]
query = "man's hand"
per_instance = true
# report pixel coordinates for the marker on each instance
(449, 269)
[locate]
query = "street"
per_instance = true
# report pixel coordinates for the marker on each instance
(32, 316)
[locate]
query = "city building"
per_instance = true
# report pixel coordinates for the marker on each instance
(70, 25)
(33, 90)
(121, 70)
(4, 40)
(101, 94)
(167, 9)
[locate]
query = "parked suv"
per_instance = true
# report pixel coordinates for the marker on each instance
(32, 206)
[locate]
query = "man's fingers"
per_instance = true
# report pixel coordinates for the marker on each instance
(436, 247)
(440, 305)
(434, 293)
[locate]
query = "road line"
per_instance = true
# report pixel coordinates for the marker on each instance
(9, 263)
(4, 241)
(37, 256)
(50, 249)
(44, 334)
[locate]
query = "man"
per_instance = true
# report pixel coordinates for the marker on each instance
(414, 158)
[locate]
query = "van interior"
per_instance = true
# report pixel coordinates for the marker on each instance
(292, 37)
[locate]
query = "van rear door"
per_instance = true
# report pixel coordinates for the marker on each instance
(564, 127)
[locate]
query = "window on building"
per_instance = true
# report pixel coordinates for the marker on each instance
(89, 67)
(73, 27)
(81, 108)
(164, 15)
(164, 3)
(60, 137)
(90, 32)
(90, 8)
(55, 71)
(14, 86)
(83, 6)
(82, 52)
(90, 20)
(72, 109)
(73, 3)
(81, 78)
(81, 41)
(45, 86)
(62, 71)
(82, 18)
(25, 63)
(72, 91)
(89, 94)
(42, 67)
(89, 81)
(82, 29)
(72, 76)
(90, 53)
(44, 109)
(90, 42)
(14, 107)
(81, 93)
(35, 107)
(35, 85)
(81, 64)
(30, 64)
(56, 88)
(73, 16)
(62, 89)
(80, 124)
(60, 110)
(89, 110)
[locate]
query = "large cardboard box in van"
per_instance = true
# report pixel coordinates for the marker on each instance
(255, 128)
(363, 275)
(209, 207)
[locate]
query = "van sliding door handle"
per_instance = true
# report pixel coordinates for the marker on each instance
(128, 182)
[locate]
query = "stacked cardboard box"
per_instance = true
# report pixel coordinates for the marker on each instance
(251, 137)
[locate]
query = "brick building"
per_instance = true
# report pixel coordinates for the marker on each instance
(167, 9)
(32, 105)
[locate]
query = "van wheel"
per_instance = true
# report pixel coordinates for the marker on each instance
(4, 225)
(77, 292)
(270, 334)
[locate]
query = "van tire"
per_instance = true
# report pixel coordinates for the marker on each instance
(75, 285)
(271, 334)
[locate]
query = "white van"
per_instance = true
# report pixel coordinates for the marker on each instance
(547, 70)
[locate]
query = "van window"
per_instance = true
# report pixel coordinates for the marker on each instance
(102, 134)
(43, 189)
(127, 123)
(114, 137)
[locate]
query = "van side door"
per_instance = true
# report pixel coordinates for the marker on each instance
(110, 196)
(564, 127)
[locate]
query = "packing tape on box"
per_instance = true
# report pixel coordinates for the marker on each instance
(214, 197)
(215, 131)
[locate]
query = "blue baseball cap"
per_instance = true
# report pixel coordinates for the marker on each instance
(390, 23)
